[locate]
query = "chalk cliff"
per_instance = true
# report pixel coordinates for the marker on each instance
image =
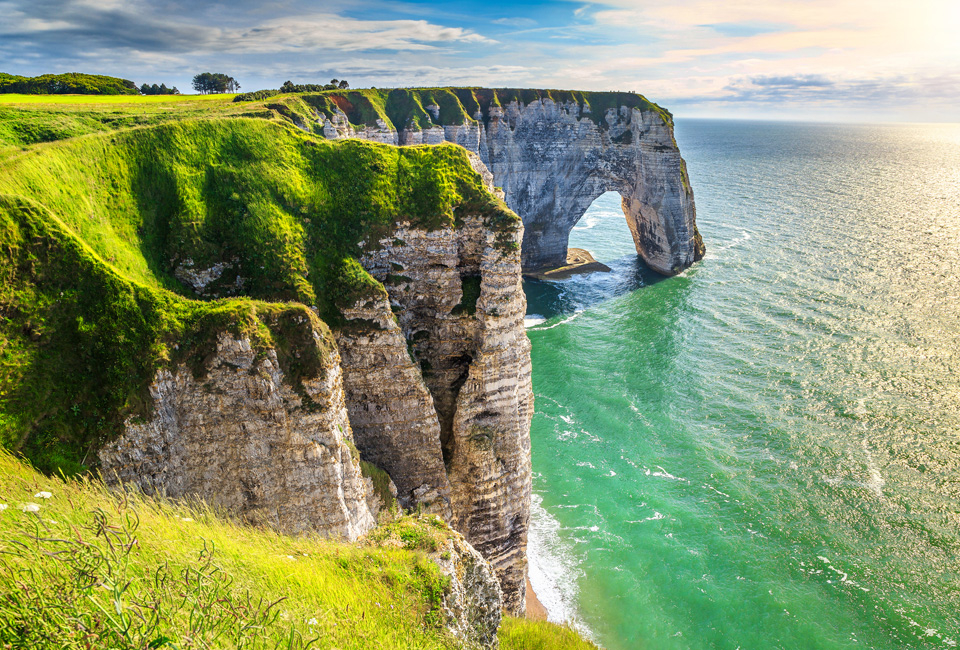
(270, 320)
(552, 153)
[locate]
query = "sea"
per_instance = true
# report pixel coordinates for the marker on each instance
(764, 451)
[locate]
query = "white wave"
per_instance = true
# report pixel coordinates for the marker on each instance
(532, 320)
(553, 568)
(558, 324)
(876, 481)
(587, 222)
(664, 474)
(744, 236)
(657, 516)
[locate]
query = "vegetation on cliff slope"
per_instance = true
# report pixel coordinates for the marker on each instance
(104, 212)
(69, 83)
(86, 567)
(410, 108)
(97, 232)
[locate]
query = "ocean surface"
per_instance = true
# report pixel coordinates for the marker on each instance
(763, 452)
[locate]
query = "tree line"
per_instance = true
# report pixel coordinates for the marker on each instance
(147, 89)
(290, 87)
(215, 82)
(70, 83)
(335, 84)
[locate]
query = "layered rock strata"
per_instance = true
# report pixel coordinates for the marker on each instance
(242, 438)
(458, 301)
(554, 158)
(431, 381)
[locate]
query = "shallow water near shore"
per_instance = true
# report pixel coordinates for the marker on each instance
(763, 452)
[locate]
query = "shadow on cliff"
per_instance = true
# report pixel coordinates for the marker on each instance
(559, 297)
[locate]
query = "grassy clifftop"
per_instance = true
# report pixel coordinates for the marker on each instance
(26, 119)
(96, 233)
(401, 108)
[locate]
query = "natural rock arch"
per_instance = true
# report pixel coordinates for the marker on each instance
(552, 166)
(553, 153)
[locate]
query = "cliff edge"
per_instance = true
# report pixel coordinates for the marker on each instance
(552, 152)
(287, 327)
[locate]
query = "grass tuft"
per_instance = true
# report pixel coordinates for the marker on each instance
(524, 634)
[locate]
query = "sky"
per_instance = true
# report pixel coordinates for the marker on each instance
(827, 60)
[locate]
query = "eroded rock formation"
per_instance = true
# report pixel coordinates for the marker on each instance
(553, 158)
(459, 304)
(430, 379)
(242, 438)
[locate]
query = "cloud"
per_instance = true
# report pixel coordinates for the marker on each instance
(78, 26)
(515, 22)
(798, 89)
(793, 81)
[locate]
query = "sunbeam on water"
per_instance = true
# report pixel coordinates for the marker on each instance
(762, 452)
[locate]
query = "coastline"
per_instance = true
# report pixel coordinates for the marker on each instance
(579, 260)
(552, 573)
(535, 609)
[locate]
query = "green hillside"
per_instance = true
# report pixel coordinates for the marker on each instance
(93, 228)
(73, 83)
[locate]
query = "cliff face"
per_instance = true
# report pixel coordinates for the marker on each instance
(233, 310)
(553, 156)
(431, 382)
(314, 312)
(460, 305)
(240, 437)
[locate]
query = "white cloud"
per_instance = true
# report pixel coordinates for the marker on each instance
(515, 22)
(330, 31)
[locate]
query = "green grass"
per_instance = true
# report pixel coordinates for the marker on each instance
(522, 634)
(184, 573)
(99, 568)
(14, 98)
(92, 230)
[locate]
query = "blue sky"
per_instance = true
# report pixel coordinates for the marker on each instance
(779, 59)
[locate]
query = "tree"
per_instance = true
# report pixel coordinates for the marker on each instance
(343, 84)
(215, 82)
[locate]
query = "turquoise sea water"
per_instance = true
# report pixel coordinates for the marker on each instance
(763, 452)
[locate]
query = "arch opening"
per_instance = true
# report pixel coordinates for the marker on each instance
(602, 229)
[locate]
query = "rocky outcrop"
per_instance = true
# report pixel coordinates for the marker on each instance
(391, 410)
(242, 438)
(473, 601)
(554, 156)
(463, 448)
(430, 380)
